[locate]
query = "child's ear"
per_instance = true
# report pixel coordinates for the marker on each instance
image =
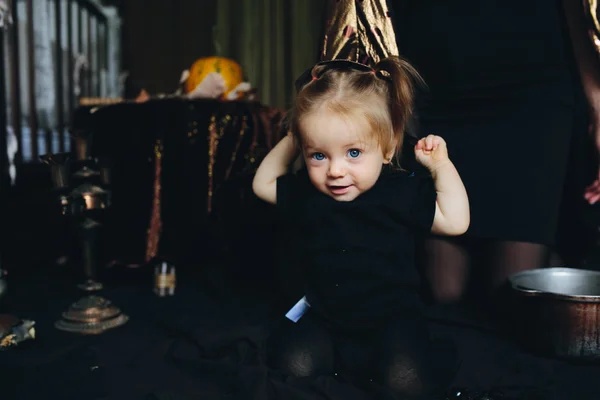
(387, 157)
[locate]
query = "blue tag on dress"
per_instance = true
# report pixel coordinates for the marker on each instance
(298, 310)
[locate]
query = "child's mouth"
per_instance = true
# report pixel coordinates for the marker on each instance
(339, 190)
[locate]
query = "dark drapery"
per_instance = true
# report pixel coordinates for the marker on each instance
(170, 160)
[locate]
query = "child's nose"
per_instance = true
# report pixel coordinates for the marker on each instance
(336, 169)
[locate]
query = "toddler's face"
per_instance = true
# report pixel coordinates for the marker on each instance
(343, 158)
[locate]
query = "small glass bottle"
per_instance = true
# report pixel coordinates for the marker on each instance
(164, 280)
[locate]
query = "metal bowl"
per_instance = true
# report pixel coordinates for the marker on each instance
(557, 312)
(565, 283)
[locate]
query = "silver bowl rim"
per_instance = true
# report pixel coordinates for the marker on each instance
(523, 290)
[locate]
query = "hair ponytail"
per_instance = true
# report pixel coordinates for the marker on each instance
(402, 79)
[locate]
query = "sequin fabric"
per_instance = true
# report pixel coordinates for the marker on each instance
(155, 226)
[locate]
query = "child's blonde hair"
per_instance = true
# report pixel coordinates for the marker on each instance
(383, 96)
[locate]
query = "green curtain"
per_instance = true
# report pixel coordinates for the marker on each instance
(273, 40)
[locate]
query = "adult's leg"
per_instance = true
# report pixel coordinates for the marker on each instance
(301, 349)
(505, 258)
(445, 263)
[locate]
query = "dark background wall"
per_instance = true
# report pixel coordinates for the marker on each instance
(162, 38)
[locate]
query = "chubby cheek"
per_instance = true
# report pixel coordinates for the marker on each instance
(316, 174)
(366, 177)
(358, 177)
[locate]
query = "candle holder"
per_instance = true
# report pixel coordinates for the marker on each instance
(82, 186)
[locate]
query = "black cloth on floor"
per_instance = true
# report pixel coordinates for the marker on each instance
(398, 358)
(208, 341)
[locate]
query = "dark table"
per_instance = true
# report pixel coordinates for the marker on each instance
(176, 166)
(206, 343)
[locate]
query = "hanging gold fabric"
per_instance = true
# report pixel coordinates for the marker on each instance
(358, 30)
(238, 143)
(591, 10)
(216, 131)
(155, 226)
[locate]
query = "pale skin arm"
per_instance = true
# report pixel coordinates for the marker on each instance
(452, 215)
(274, 165)
(589, 70)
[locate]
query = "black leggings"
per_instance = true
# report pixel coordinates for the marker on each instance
(398, 360)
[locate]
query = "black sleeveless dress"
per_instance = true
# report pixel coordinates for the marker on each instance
(502, 92)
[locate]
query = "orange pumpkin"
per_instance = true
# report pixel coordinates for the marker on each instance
(230, 70)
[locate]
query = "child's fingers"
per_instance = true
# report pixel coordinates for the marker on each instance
(429, 142)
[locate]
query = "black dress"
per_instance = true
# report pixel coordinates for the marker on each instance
(501, 92)
(357, 265)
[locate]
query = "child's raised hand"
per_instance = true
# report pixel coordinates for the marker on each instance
(431, 152)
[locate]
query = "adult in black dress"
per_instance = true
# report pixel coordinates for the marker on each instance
(503, 90)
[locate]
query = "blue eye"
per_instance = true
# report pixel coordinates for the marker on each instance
(318, 156)
(354, 153)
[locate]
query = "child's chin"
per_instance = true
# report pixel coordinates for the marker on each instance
(344, 197)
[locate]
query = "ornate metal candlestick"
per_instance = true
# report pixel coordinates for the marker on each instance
(82, 201)
(84, 197)
(91, 315)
